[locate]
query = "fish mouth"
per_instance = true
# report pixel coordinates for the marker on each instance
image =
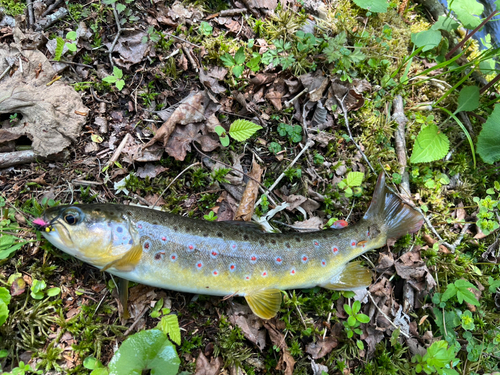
(47, 226)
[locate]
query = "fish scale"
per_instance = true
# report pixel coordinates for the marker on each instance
(221, 258)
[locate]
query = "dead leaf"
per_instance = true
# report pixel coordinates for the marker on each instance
(313, 223)
(210, 79)
(49, 113)
(322, 347)
(130, 48)
(180, 142)
(18, 287)
(286, 361)
(204, 367)
(246, 207)
(150, 170)
(411, 267)
(250, 324)
(275, 98)
(492, 253)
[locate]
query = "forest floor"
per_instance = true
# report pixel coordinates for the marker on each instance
(145, 106)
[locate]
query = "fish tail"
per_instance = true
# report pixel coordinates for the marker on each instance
(398, 218)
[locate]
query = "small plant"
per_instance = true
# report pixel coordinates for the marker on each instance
(293, 132)
(488, 209)
(438, 359)
(235, 64)
(115, 78)
(38, 290)
(4, 303)
(61, 43)
(274, 147)
(240, 130)
(205, 28)
(210, 217)
(9, 243)
(352, 184)
(460, 290)
(291, 173)
(23, 369)
(354, 321)
(153, 35)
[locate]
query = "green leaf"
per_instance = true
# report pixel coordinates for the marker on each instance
(239, 57)
(4, 302)
(467, 296)
(356, 306)
(238, 70)
(117, 72)
(228, 60)
(120, 7)
(71, 47)
(467, 12)
(145, 350)
(120, 84)
(71, 35)
(428, 39)
(355, 179)
(451, 291)
(220, 130)
(4, 295)
(445, 23)
(170, 324)
(205, 28)
(110, 79)
(347, 309)
(468, 99)
(224, 141)
(241, 130)
(363, 318)
(53, 292)
(431, 144)
(488, 141)
(38, 286)
(375, 6)
(59, 48)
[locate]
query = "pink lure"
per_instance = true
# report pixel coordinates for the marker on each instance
(339, 224)
(40, 222)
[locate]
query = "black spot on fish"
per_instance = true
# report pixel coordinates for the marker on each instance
(158, 256)
(205, 234)
(155, 223)
(219, 234)
(287, 245)
(246, 237)
(262, 242)
(175, 228)
(129, 213)
(298, 239)
(273, 241)
(207, 287)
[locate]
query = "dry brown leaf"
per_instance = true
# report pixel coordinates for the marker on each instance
(246, 207)
(314, 223)
(52, 116)
(130, 48)
(411, 267)
(322, 347)
(210, 79)
(150, 170)
(286, 361)
(275, 98)
(227, 207)
(204, 367)
(180, 141)
(250, 324)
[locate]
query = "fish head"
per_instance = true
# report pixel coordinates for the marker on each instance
(87, 232)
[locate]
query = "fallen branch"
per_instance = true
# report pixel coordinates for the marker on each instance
(51, 19)
(119, 150)
(400, 140)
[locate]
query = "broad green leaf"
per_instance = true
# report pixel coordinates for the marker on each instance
(53, 292)
(4, 312)
(224, 141)
(468, 99)
(347, 309)
(38, 286)
(488, 141)
(356, 306)
(71, 47)
(351, 320)
(145, 350)
(220, 130)
(169, 324)
(238, 70)
(110, 79)
(375, 6)
(100, 371)
(228, 60)
(241, 130)
(445, 23)
(120, 7)
(427, 39)
(205, 28)
(467, 296)
(431, 144)
(451, 291)
(117, 72)
(59, 48)
(239, 57)
(355, 179)
(468, 12)
(4, 295)
(120, 84)
(363, 318)
(71, 35)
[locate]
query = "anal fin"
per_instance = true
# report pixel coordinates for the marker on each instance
(127, 262)
(353, 276)
(264, 303)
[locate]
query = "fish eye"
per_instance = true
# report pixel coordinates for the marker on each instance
(71, 219)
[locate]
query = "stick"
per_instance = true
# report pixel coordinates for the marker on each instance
(51, 7)
(187, 52)
(51, 19)
(385, 316)
(182, 40)
(31, 17)
(72, 63)
(119, 150)
(268, 191)
(399, 116)
(136, 321)
(170, 184)
(118, 33)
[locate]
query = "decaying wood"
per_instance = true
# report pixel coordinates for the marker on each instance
(399, 116)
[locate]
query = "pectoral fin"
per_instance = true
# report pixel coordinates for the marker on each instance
(264, 303)
(127, 262)
(353, 276)
(123, 293)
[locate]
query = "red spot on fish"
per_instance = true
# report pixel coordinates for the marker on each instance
(247, 277)
(264, 274)
(190, 247)
(139, 226)
(214, 254)
(315, 243)
(292, 272)
(335, 250)
(304, 258)
(233, 246)
(278, 260)
(323, 263)
(173, 257)
(215, 273)
(199, 265)
(232, 267)
(353, 243)
(164, 238)
(253, 259)
(339, 224)
(146, 245)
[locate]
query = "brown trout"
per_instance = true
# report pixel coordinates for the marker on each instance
(218, 258)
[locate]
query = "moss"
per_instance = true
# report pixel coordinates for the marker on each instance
(12, 7)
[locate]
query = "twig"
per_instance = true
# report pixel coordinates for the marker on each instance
(51, 19)
(119, 150)
(268, 191)
(399, 116)
(232, 12)
(288, 103)
(385, 316)
(31, 17)
(190, 57)
(52, 7)
(170, 184)
(118, 33)
(181, 39)
(341, 101)
(136, 321)
(5, 71)
(99, 304)
(72, 63)
(97, 98)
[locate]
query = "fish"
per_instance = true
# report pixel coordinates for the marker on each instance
(173, 252)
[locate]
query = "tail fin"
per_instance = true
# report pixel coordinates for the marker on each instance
(397, 217)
